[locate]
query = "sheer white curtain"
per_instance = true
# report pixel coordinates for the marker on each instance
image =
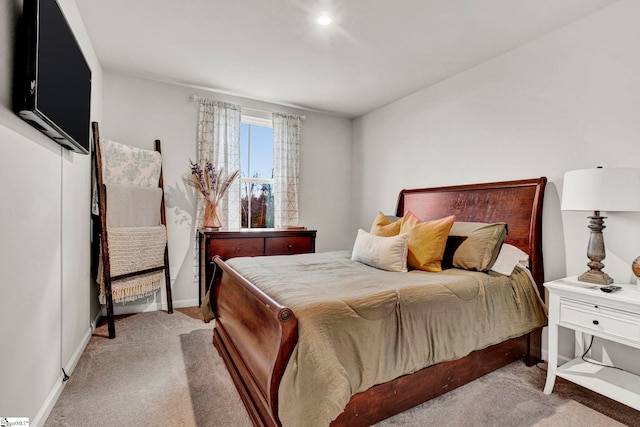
(219, 143)
(286, 166)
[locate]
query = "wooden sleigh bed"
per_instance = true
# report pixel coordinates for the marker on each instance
(256, 335)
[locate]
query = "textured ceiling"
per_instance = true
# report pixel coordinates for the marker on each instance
(375, 52)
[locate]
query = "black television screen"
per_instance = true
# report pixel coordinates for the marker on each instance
(55, 83)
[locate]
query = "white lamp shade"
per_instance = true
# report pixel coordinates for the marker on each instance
(602, 189)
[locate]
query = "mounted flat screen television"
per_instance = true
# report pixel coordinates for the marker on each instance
(53, 79)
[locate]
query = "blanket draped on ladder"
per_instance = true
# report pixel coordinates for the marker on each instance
(135, 235)
(134, 249)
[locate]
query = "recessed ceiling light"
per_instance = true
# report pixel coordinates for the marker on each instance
(324, 19)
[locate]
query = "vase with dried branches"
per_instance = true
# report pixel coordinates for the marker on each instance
(213, 184)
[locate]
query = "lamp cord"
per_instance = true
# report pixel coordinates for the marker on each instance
(594, 362)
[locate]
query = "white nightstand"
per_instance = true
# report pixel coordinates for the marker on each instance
(612, 316)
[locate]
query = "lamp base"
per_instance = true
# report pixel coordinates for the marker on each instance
(597, 277)
(596, 253)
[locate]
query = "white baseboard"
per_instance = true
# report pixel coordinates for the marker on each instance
(186, 303)
(48, 404)
(148, 307)
(55, 393)
(94, 322)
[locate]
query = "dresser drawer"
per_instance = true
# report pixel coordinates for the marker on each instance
(230, 248)
(231, 244)
(288, 245)
(605, 321)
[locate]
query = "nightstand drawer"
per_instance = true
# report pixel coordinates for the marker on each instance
(606, 322)
(288, 245)
(230, 248)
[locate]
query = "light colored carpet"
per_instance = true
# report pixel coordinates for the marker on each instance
(508, 397)
(163, 370)
(574, 414)
(160, 370)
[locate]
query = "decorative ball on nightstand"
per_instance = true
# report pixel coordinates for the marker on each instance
(635, 267)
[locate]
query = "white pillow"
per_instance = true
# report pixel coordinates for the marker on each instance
(508, 258)
(385, 253)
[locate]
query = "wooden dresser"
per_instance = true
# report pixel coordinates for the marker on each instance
(229, 244)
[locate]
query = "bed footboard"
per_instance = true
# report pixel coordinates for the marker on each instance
(385, 400)
(255, 336)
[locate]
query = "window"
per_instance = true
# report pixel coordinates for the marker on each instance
(256, 172)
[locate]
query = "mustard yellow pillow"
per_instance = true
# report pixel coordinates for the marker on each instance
(382, 226)
(427, 241)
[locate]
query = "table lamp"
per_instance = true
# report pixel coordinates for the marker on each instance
(600, 189)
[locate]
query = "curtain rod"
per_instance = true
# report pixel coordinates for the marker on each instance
(196, 98)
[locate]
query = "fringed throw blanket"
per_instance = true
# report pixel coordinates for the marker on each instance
(133, 249)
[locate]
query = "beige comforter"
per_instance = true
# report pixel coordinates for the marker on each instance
(360, 326)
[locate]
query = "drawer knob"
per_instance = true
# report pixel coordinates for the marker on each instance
(595, 322)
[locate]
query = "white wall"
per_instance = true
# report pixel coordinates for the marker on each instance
(566, 101)
(44, 244)
(138, 111)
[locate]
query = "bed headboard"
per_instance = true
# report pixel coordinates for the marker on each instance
(518, 203)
